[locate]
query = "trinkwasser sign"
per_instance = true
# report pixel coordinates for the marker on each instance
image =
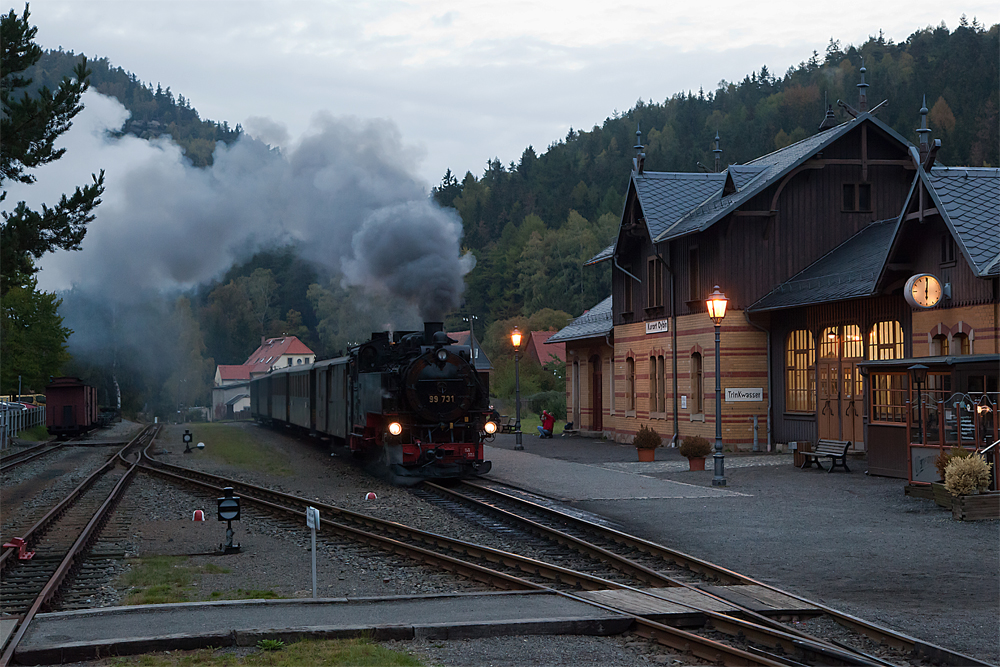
(744, 394)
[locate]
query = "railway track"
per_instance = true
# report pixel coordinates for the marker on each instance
(588, 572)
(61, 544)
(652, 565)
(14, 459)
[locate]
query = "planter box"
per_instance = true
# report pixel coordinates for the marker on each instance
(646, 455)
(978, 507)
(941, 495)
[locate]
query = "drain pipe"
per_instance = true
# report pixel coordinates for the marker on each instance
(673, 356)
(767, 332)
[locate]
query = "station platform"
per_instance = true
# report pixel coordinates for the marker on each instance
(85, 635)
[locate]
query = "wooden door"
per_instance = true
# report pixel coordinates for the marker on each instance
(851, 402)
(596, 394)
(828, 399)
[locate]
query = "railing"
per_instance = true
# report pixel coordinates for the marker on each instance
(13, 421)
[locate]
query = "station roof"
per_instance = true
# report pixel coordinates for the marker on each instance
(593, 323)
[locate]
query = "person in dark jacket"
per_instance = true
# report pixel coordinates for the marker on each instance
(548, 423)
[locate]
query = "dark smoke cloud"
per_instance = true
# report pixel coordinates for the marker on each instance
(345, 193)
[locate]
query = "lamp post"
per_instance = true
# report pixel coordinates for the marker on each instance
(717, 310)
(919, 373)
(515, 339)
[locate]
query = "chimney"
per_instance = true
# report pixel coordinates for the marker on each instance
(431, 328)
(639, 161)
(924, 132)
(863, 90)
(830, 120)
(718, 153)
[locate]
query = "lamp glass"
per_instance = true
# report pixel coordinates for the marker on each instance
(717, 305)
(515, 338)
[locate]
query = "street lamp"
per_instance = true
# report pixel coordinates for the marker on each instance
(515, 339)
(919, 373)
(717, 310)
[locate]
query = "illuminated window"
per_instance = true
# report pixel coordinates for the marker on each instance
(889, 398)
(885, 341)
(800, 372)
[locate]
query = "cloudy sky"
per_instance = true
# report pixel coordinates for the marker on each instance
(462, 81)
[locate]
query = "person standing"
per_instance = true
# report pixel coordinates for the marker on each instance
(548, 423)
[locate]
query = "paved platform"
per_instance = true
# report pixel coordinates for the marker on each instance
(84, 635)
(567, 480)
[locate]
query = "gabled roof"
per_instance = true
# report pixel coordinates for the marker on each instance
(755, 176)
(233, 373)
(542, 351)
(593, 323)
(265, 356)
(849, 271)
(483, 362)
(968, 200)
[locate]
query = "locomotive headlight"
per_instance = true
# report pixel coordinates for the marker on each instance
(490, 428)
(395, 428)
(442, 355)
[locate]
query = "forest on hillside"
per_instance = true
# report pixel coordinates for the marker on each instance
(533, 222)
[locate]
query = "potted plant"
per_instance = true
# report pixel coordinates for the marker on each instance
(941, 495)
(967, 479)
(646, 441)
(695, 448)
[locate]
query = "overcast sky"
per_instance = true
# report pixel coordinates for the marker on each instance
(463, 81)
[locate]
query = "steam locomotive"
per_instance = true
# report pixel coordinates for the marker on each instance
(409, 401)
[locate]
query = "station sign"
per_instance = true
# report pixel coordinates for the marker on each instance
(659, 326)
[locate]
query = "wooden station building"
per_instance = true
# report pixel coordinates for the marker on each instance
(846, 257)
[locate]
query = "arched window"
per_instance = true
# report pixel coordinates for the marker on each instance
(800, 372)
(960, 344)
(939, 346)
(885, 341)
(653, 387)
(661, 383)
(697, 385)
(630, 386)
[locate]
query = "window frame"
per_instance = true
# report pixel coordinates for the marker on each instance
(800, 379)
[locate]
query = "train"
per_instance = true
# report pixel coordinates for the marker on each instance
(71, 407)
(410, 403)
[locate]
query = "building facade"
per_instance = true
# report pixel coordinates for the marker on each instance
(829, 252)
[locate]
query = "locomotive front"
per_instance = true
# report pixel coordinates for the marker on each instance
(426, 407)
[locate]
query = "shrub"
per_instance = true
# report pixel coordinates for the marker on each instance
(647, 438)
(945, 457)
(695, 447)
(967, 474)
(553, 401)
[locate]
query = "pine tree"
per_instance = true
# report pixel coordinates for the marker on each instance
(30, 126)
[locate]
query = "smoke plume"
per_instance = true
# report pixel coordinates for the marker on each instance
(345, 194)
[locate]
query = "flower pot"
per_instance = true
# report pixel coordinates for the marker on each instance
(646, 455)
(696, 463)
(977, 507)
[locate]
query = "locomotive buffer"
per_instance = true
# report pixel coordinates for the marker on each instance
(229, 511)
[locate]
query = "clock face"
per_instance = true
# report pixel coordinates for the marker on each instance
(923, 291)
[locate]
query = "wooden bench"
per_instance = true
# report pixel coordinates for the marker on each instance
(835, 450)
(508, 425)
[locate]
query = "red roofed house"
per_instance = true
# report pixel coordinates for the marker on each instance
(231, 394)
(542, 351)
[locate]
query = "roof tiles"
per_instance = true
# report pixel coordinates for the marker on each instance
(595, 322)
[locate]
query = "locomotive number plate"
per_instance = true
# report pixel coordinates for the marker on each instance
(445, 398)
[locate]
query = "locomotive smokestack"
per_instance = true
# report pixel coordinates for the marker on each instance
(431, 328)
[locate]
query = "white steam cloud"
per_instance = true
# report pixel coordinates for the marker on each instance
(345, 193)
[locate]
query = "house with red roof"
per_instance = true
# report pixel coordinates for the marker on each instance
(543, 352)
(231, 393)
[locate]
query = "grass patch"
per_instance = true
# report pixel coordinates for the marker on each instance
(169, 579)
(335, 653)
(238, 446)
(33, 434)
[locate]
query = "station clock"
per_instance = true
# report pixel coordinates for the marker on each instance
(923, 291)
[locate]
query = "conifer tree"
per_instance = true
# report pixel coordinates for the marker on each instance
(30, 126)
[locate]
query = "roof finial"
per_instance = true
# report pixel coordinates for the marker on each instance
(718, 153)
(639, 161)
(863, 90)
(830, 120)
